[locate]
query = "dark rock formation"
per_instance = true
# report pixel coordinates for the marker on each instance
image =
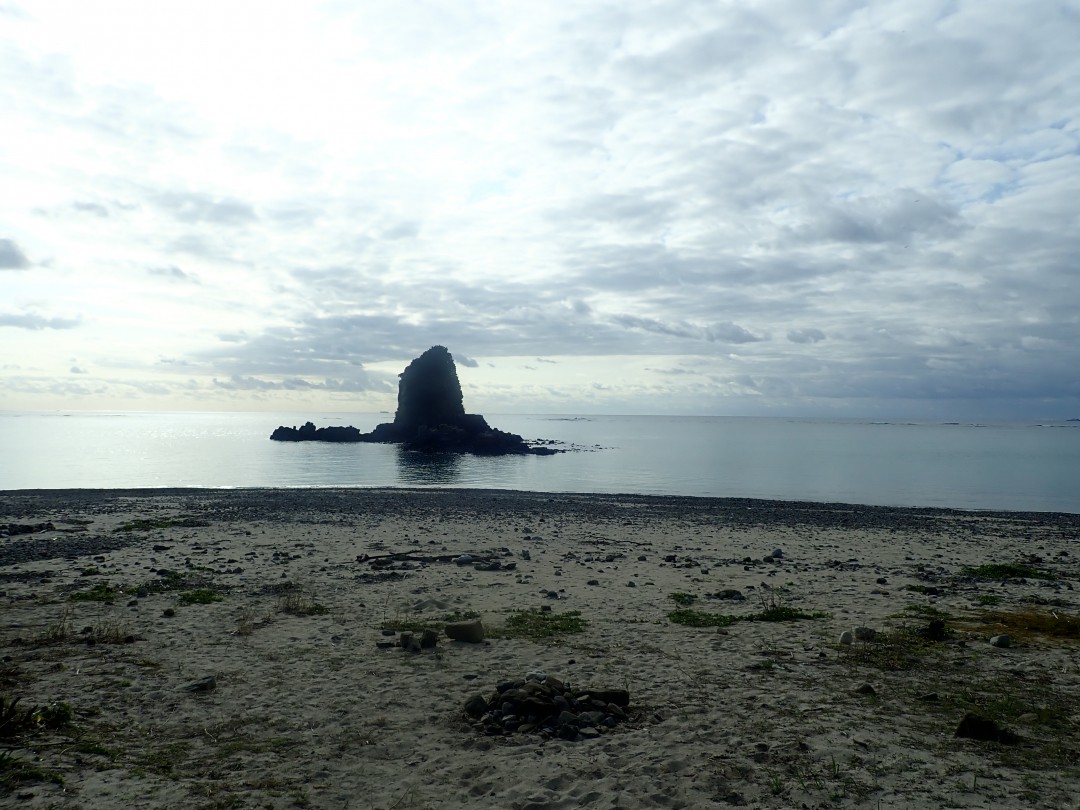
(548, 707)
(430, 417)
(310, 433)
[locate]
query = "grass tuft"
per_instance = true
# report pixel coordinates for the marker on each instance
(538, 625)
(200, 596)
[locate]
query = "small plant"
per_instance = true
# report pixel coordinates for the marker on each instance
(683, 600)
(299, 602)
(1007, 571)
(199, 596)
(54, 716)
(60, 631)
(537, 625)
(90, 572)
(987, 599)
(12, 720)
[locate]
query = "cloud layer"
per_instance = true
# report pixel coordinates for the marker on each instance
(781, 207)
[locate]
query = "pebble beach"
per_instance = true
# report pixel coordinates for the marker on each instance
(271, 648)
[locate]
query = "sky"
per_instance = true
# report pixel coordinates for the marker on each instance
(734, 207)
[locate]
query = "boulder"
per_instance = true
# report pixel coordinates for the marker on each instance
(471, 631)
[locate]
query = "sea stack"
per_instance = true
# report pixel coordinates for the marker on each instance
(430, 417)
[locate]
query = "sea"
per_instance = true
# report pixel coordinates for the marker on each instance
(959, 465)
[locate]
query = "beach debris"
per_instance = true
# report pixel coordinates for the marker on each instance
(469, 630)
(976, 727)
(549, 707)
(1000, 641)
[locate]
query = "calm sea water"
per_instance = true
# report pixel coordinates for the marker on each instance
(993, 466)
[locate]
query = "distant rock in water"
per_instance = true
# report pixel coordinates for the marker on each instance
(310, 433)
(430, 417)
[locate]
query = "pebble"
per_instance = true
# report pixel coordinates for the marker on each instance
(864, 633)
(1001, 641)
(847, 637)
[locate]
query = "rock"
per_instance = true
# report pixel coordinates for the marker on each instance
(1001, 641)
(430, 417)
(777, 553)
(207, 684)
(545, 705)
(476, 706)
(464, 559)
(866, 689)
(934, 631)
(975, 727)
(471, 630)
(428, 640)
(847, 637)
(864, 633)
(730, 593)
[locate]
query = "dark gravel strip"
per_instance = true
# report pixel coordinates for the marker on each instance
(314, 505)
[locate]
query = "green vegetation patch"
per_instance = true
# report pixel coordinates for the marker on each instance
(773, 609)
(102, 592)
(1026, 624)
(1007, 571)
(147, 524)
(700, 618)
(200, 596)
(683, 600)
(539, 625)
(900, 650)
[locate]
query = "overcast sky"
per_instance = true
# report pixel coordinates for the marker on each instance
(729, 207)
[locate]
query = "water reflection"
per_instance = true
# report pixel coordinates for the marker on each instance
(439, 469)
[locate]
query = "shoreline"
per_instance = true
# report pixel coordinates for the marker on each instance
(310, 708)
(730, 502)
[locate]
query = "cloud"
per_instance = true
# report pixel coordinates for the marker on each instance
(805, 335)
(799, 205)
(11, 256)
(172, 272)
(242, 383)
(194, 208)
(35, 322)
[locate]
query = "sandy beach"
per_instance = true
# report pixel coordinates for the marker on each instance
(243, 648)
